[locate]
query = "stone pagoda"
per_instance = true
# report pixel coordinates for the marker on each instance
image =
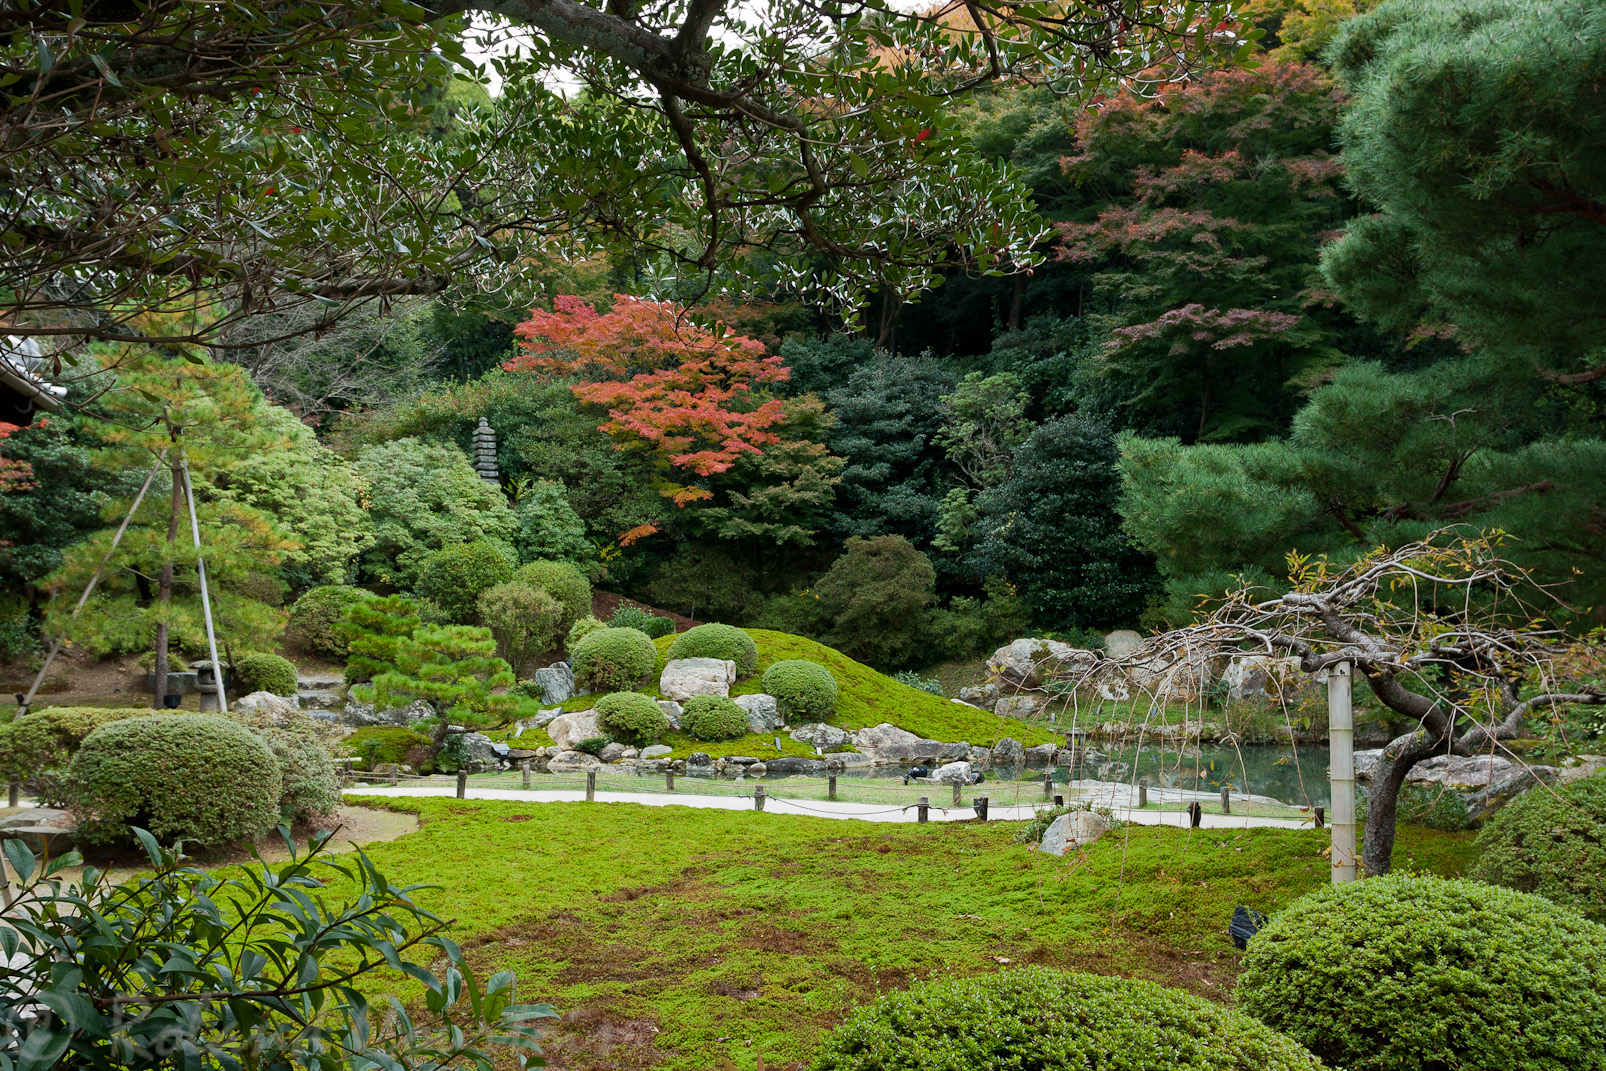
(485, 453)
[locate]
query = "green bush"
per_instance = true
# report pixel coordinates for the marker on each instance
(36, 747)
(718, 641)
(1038, 1019)
(1551, 842)
(875, 597)
(309, 791)
(1426, 805)
(524, 619)
(549, 528)
(805, 689)
(632, 718)
(915, 680)
(376, 744)
(613, 659)
(591, 745)
(264, 672)
(564, 582)
(580, 630)
(196, 777)
(713, 717)
(654, 625)
(314, 616)
(453, 577)
(1416, 972)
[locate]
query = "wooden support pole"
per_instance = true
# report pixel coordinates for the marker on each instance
(830, 786)
(591, 786)
(1048, 784)
(524, 772)
(758, 797)
(1143, 792)
(1059, 800)
(981, 808)
(1195, 814)
(957, 788)
(14, 793)
(395, 775)
(922, 809)
(1226, 800)
(669, 780)
(1341, 740)
(1321, 817)
(462, 783)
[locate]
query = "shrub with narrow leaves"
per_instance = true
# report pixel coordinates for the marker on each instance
(1551, 841)
(713, 717)
(564, 582)
(802, 689)
(652, 624)
(632, 718)
(613, 659)
(725, 642)
(453, 577)
(314, 617)
(1038, 1019)
(264, 672)
(1410, 972)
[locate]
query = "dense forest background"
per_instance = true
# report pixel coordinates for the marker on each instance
(1260, 328)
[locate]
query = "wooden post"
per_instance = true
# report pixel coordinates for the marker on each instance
(1226, 800)
(1195, 814)
(830, 786)
(758, 797)
(591, 786)
(669, 780)
(1059, 800)
(957, 787)
(1048, 785)
(394, 772)
(1143, 792)
(524, 772)
(462, 783)
(922, 809)
(1321, 817)
(5, 884)
(13, 792)
(981, 808)
(1341, 738)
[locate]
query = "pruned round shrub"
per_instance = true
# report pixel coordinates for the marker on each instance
(309, 790)
(453, 577)
(314, 616)
(713, 717)
(580, 630)
(36, 747)
(652, 624)
(632, 718)
(1414, 972)
(264, 672)
(1551, 842)
(725, 642)
(801, 688)
(563, 581)
(1039, 1019)
(613, 660)
(524, 619)
(194, 777)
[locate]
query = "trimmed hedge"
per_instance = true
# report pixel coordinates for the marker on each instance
(37, 747)
(453, 577)
(200, 778)
(724, 642)
(309, 790)
(1038, 1019)
(632, 718)
(613, 660)
(1407, 972)
(564, 582)
(263, 672)
(654, 625)
(806, 689)
(314, 616)
(1551, 842)
(713, 717)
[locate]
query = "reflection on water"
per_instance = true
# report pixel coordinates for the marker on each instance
(1292, 775)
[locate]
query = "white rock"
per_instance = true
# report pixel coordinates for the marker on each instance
(763, 713)
(1018, 706)
(569, 729)
(818, 734)
(1121, 642)
(1029, 662)
(655, 751)
(672, 712)
(955, 773)
(1075, 830)
(885, 735)
(686, 677)
(557, 683)
(276, 707)
(1262, 675)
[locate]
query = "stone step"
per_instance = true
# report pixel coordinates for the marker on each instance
(310, 700)
(318, 684)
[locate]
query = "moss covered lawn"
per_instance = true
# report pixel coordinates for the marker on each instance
(669, 937)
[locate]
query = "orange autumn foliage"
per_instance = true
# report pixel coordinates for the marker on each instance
(682, 390)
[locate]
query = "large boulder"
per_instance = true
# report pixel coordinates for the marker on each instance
(980, 695)
(1121, 643)
(672, 712)
(1009, 752)
(1277, 679)
(572, 762)
(683, 678)
(277, 709)
(656, 751)
(954, 773)
(1041, 755)
(763, 713)
(557, 683)
(1181, 678)
(567, 730)
(613, 752)
(1077, 829)
(360, 715)
(479, 751)
(1029, 663)
(1019, 706)
(42, 829)
(542, 719)
(793, 764)
(891, 744)
(818, 734)
(1481, 783)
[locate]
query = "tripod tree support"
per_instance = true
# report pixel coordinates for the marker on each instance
(206, 598)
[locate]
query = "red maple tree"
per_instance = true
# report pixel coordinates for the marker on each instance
(683, 390)
(14, 475)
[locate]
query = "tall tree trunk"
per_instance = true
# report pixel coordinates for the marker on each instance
(1016, 300)
(1383, 797)
(164, 591)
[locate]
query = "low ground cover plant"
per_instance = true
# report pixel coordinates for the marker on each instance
(613, 659)
(1551, 841)
(1410, 971)
(712, 717)
(1038, 1019)
(632, 718)
(802, 690)
(204, 779)
(724, 642)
